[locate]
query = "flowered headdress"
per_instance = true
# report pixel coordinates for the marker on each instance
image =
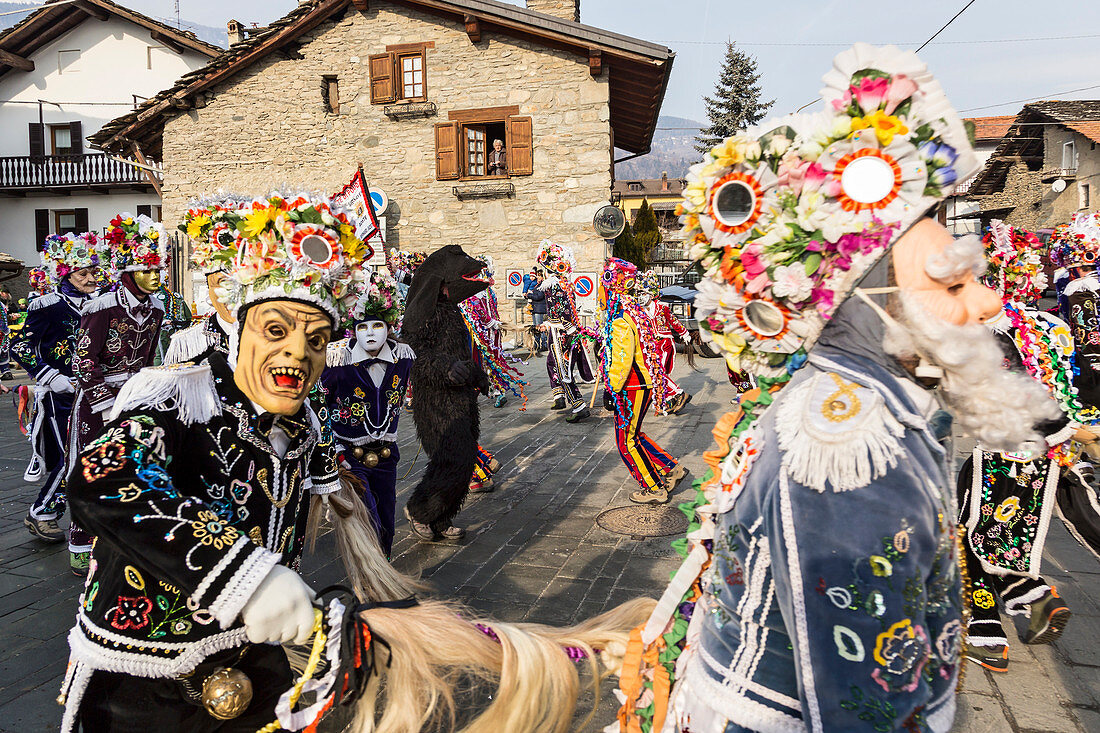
(380, 301)
(137, 243)
(295, 249)
(40, 281)
(619, 283)
(558, 261)
(788, 216)
(1076, 244)
(65, 253)
(212, 227)
(1015, 263)
(649, 282)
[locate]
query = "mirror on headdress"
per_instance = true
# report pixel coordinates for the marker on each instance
(734, 202)
(316, 248)
(867, 180)
(763, 318)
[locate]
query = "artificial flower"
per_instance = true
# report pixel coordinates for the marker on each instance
(885, 126)
(790, 282)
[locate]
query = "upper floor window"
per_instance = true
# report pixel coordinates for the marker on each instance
(67, 61)
(66, 139)
(400, 74)
(484, 143)
(330, 94)
(61, 140)
(1069, 155)
(1084, 195)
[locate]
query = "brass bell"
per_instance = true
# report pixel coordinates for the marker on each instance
(386, 452)
(357, 452)
(226, 693)
(371, 460)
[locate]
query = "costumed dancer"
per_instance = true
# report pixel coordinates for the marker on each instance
(567, 360)
(212, 229)
(1006, 500)
(45, 347)
(1076, 247)
(482, 315)
(177, 317)
(447, 382)
(360, 395)
(118, 336)
(668, 327)
(198, 490)
(821, 588)
(633, 371)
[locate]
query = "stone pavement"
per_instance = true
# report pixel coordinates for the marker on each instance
(535, 553)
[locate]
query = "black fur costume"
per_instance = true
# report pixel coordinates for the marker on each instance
(446, 382)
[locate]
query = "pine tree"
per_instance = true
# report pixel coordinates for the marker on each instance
(736, 102)
(647, 235)
(625, 247)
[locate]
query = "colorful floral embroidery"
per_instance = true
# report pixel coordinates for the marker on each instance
(132, 613)
(104, 459)
(211, 530)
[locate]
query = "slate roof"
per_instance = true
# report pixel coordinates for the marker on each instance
(639, 70)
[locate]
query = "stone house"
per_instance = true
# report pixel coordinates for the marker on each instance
(962, 212)
(417, 91)
(1046, 167)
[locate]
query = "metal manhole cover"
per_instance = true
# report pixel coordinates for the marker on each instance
(643, 521)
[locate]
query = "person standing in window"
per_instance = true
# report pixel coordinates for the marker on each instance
(498, 159)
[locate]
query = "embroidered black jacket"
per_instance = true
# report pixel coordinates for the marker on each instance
(192, 506)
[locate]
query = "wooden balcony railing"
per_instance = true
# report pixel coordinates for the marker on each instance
(64, 171)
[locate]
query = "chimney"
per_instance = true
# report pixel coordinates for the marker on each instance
(664, 180)
(565, 9)
(236, 33)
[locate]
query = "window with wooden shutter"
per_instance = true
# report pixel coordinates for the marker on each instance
(411, 85)
(37, 142)
(76, 137)
(81, 220)
(447, 164)
(381, 79)
(41, 228)
(520, 146)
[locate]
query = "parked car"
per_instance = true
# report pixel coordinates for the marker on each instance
(681, 301)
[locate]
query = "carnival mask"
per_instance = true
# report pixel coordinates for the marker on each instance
(147, 280)
(213, 282)
(370, 336)
(942, 273)
(84, 279)
(281, 354)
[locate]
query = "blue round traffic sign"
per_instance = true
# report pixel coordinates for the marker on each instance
(515, 279)
(583, 285)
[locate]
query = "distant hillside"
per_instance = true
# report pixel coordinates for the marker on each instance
(673, 151)
(216, 36)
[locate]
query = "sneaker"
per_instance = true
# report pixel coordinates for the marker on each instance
(419, 529)
(501, 401)
(579, 415)
(452, 534)
(647, 496)
(1049, 616)
(481, 487)
(7, 376)
(994, 658)
(44, 529)
(494, 465)
(559, 404)
(78, 563)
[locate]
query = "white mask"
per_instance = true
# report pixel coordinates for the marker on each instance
(644, 299)
(370, 337)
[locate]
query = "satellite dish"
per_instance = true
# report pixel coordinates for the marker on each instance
(1058, 186)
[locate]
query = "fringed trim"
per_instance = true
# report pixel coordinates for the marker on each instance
(402, 351)
(73, 688)
(100, 302)
(249, 574)
(836, 432)
(188, 389)
(44, 301)
(1089, 282)
(1022, 606)
(338, 353)
(145, 664)
(189, 343)
(208, 580)
(1062, 435)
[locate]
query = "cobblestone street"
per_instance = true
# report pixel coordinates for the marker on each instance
(535, 553)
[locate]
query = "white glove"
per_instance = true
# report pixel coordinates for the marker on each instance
(62, 385)
(494, 325)
(280, 609)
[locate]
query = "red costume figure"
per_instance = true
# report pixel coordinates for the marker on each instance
(667, 327)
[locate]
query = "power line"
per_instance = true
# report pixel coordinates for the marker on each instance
(941, 30)
(1032, 99)
(840, 44)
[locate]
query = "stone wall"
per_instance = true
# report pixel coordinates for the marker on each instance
(267, 128)
(567, 9)
(1023, 192)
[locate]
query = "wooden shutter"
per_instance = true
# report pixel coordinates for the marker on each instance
(41, 228)
(519, 146)
(81, 220)
(382, 87)
(447, 166)
(37, 142)
(76, 132)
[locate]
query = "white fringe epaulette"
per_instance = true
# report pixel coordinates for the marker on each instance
(188, 343)
(836, 432)
(1089, 282)
(43, 301)
(188, 389)
(100, 302)
(338, 353)
(402, 351)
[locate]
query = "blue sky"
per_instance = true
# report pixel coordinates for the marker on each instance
(976, 73)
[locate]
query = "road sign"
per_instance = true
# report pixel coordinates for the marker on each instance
(379, 200)
(584, 285)
(514, 287)
(609, 222)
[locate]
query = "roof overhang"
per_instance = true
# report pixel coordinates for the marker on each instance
(638, 71)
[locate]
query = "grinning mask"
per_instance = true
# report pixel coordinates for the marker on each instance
(281, 354)
(84, 279)
(370, 337)
(213, 282)
(147, 280)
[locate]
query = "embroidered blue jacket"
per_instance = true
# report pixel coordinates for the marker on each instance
(358, 411)
(46, 343)
(833, 601)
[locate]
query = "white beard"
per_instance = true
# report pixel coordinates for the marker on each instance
(997, 407)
